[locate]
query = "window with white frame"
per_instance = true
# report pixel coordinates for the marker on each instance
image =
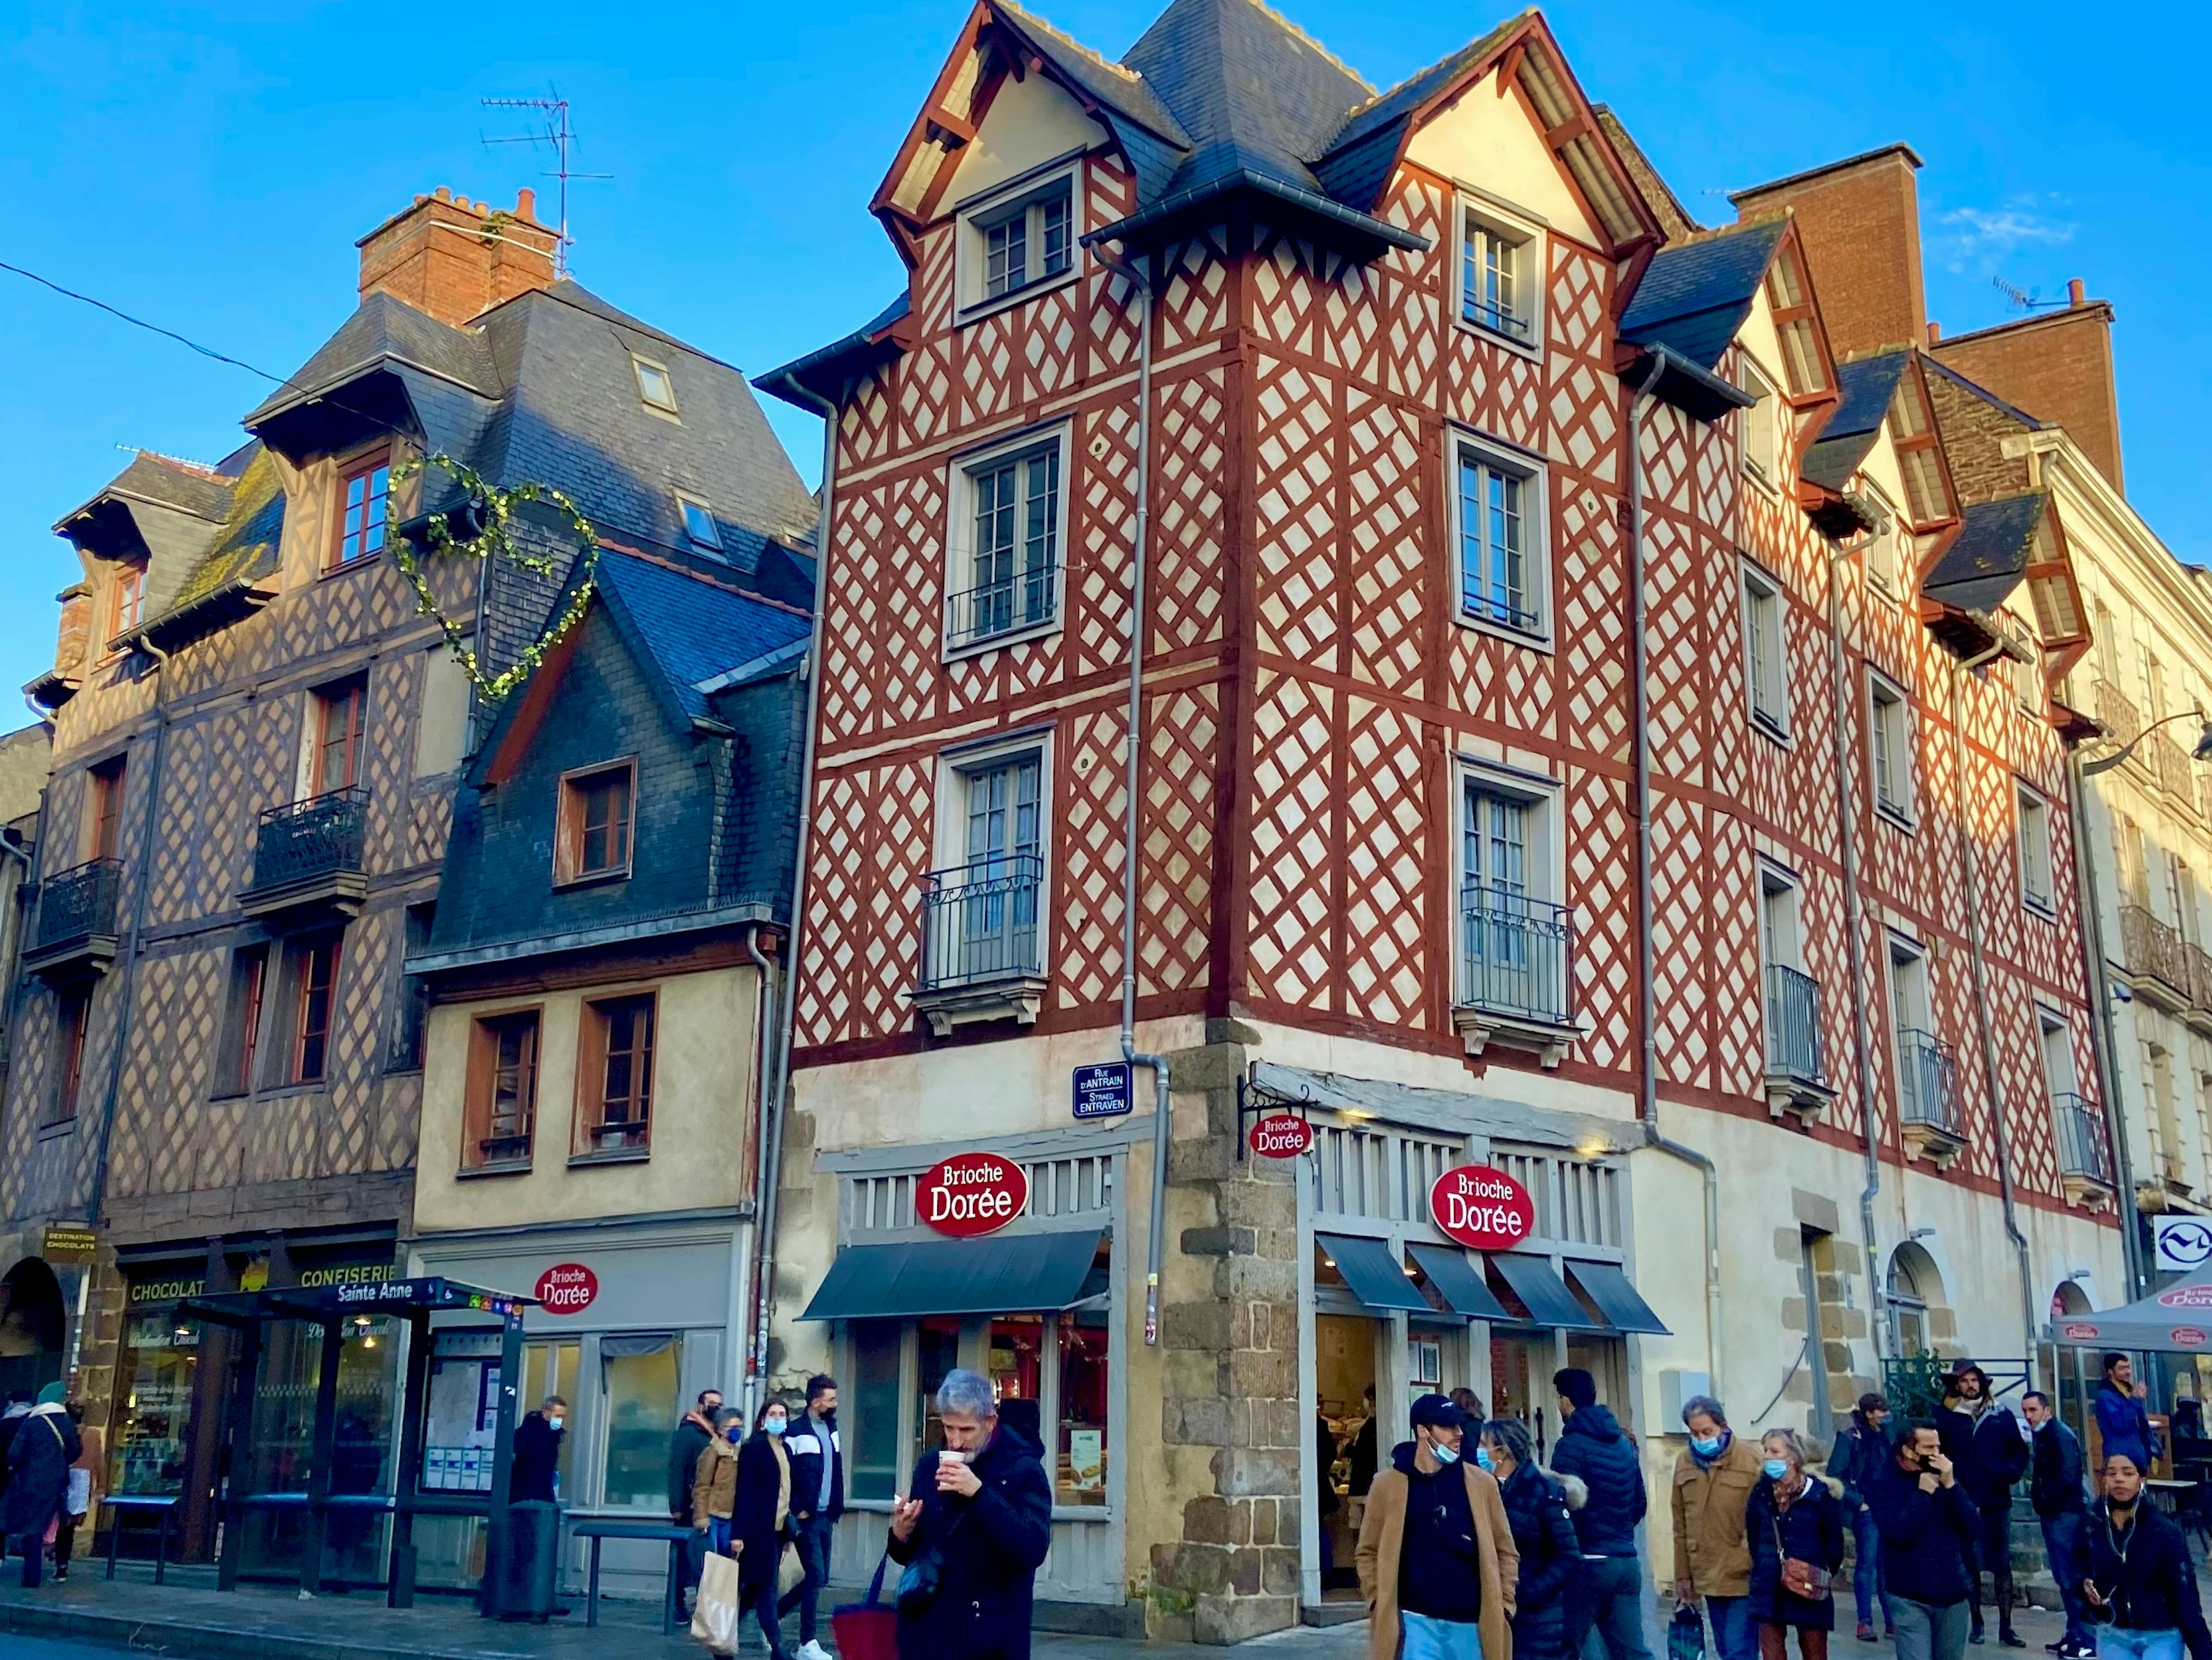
(1779, 942)
(2034, 834)
(1927, 1090)
(656, 388)
(981, 909)
(1502, 557)
(1759, 425)
(1765, 652)
(1889, 739)
(1021, 240)
(1499, 282)
(1884, 561)
(1011, 518)
(1514, 938)
(1792, 1001)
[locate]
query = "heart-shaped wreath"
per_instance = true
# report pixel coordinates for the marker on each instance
(490, 509)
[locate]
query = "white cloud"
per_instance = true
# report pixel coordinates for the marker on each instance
(1972, 236)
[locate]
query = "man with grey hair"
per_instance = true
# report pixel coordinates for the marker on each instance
(1713, 1479)
(972, 1532)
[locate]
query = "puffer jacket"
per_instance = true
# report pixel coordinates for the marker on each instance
(39, 1458)
(1812, 1530)
(1540, 1509)
(1708, 1502)
(1593, 1448)
(988, 1550)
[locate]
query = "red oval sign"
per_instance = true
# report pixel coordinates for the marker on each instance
(2187, 1297)
(971, 1194)
(2081, 1334)
(567, 1288)
(1482, 1207)
(2187, 1336)
(1280, 1135)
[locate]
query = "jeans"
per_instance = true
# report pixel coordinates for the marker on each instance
(718, 1535)
(1736, 1634)
(759, 1595)
(1866, 1571)
(2124, 1642)
(1607, 1597)
(34, 1547)
(2061, 1545)
(1924, 1631)
(813, 1536)
(1444, 1640)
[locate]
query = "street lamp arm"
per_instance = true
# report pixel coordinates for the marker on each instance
(2202, 752)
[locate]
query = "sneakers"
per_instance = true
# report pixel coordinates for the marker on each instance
(1865, 1633)
(811, 1649)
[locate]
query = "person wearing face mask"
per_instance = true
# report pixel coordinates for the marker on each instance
(1794, 1523)
(535, 1475)
(1539, 1505)
(1438, 1565)
(761, 1520)
(1713, 1479)
(1927, 1526)
(713, 1499)
(2141, 1582)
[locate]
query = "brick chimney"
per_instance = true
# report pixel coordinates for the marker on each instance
(1859, 219)
(2057, 366)
(456, 259)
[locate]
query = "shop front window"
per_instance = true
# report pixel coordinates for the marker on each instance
(872, 1447)
(1079, 1472)
(937, 1351)
(551, 1369)
(639, 1383)
(153, 1421)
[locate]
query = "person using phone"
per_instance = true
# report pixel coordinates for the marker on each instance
(1793, 1523)
(1928, 1527)
(2141, 1585)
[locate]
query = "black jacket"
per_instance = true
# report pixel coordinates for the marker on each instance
(752, 1517)
(1366, 1457)
(1593, 1447)
(806, 1442)
(1810, 1530)
(1856, 1456)
(2146, 1576)
(8, 1428)
(1324, 1458)
(536, 1461)
(39, 1459)
(1988, 1454)
(1927, 1538)
(1550, 1559)
(684, 1447)
(989, 1548)
(2055, 1470)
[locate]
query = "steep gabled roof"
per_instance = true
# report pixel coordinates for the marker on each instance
(1865, 386)
(1989, 558)
(1695, 295)
(1119, 89)
(385, 332)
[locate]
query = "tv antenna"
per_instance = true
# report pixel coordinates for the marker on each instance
(2022, 299)
(556, 135)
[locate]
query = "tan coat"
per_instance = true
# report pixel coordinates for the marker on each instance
(1383, 1531)
(1710, 1550)
(715, 1483)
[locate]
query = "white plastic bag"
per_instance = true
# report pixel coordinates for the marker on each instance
(714, 1613)
(80, 1493)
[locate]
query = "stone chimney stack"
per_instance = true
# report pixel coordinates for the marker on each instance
(456, 259)
(1860, 223)
(2056, 365)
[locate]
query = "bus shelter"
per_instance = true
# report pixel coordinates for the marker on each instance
(418, 1303)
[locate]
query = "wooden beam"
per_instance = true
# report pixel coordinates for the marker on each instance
(1568, 130)
(1509, 68)
(959, 129)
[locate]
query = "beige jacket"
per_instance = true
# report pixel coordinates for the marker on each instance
(1383, 1531)
(1710, 1550)
(715, 1483)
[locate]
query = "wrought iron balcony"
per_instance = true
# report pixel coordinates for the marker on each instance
(2199, 978)
(2116, 711)
(307, 859)
(2085, 1157)
(1796, 1078)
(982, 948)
(1516, 972)
(2156, 959)
(76, 935)
(1927, 1096)
(1016, 605)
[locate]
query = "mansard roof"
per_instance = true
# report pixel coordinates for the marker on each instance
(1865, 386)
(690, 629)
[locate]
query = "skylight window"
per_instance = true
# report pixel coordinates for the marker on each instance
(699, 525)
(654, 386)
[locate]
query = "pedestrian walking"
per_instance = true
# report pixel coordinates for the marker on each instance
(2123, 1418)
(972, 1532)
(2057, 1488)
(1326, 1504)
(1794, 1526)
(1860, 1449)
(817, 1500)
(1609, 1594)
(535, 1473)
(692, 1436)
(82, 1490)
(1540, 1507)
(1988, 1447)
(1713, 1479)
(46, 1443)
(760, 1521)
(2141, 1580)
(1438, 1565)
(713, 1505)
(19, 1409)
(1928, 1527)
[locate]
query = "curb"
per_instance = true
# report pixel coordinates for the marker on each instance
(77, 1623)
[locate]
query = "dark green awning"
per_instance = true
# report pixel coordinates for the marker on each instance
(1458, 1282)
(1544, 1293)
(1371, 1269)
(1616, 1299)
(1028, 1273)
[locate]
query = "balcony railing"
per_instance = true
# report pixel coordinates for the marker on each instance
(1928, 1082)
(1012, 606)
(2154, 950)
(2200, 977)
(2084, 1152)
(78, 904)
(2170, 761)
(979, 923)
(319, 837)
(2116, 713)
(1517, 955)
(1793, 1025)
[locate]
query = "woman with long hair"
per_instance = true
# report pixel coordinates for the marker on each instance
(761, 1520)
(1794, 1523)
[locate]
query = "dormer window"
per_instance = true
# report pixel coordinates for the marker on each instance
(1499, 277)
(129, 599)
(364, 493)
(655, 386)
(1018, 240)
(1757, 425)
(699, 526)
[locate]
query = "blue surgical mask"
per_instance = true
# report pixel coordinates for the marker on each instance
(774, 1427)
(1776, 1469)
(1444, 1454)
(1704, 1446)
(1482, 1458)
(735, 1433)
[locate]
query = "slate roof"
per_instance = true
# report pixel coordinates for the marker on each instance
(1696, 294)
(1356, 161)
(1988, 558)
(245, 553)
(1865, 388)
(689, 629)
(383, 332)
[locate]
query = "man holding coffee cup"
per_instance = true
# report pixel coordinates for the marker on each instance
(972, 1532)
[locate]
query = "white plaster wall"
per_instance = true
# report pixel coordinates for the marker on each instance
(1489, 141)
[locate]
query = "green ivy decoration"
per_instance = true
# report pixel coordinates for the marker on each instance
(494, 507)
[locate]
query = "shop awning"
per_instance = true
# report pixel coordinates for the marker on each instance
(2175, 1320)
(1616, 1299)
(1458, 1282)
(1027, 1274)
(1370, 1267)
(1545, 1294)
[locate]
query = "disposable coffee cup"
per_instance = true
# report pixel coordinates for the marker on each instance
(946, 1456)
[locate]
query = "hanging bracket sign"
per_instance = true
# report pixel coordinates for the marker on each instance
(1280, 1135)
(1482, 1208)
(971, 1194)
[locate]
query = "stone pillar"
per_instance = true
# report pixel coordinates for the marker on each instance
(1229, 1334)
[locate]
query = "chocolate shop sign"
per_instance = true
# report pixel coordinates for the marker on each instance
(172, 1291)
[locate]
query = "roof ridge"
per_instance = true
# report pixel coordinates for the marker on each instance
(200, 469)
(1090, 53)
(1297, 32)
(1375, 98)
(1715, 232)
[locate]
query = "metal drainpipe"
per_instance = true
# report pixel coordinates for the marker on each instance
(2104, 1035)
(1646, 1003)
(741, 1246)
(1854, 920)
(138, 928)
(776, 1091)
(1958, 672)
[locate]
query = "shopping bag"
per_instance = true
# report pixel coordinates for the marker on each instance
(790, 1570)
(869, 1630)
(714, 1614)
(1685, 1634)
(80, 1493)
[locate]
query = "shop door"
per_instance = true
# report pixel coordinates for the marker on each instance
(1521, 1368)
(1345, 1395)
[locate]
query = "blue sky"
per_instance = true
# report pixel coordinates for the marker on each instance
(208, 167)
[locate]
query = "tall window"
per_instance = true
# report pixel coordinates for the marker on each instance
(106, 815)
(316, 977)
(1497, 288)
(503, 1092)
(130, 598)
(1765, 652)
(1500, 513)
(616, 1074)
(1759, 425)
(340, 715)
(985, 921)
(241, 1022)
(1889, 734)
(363, 497)
(596, 820)
(1513, 943)
(2035, 831)
(73, 1019)
(1014, 573)
(1027, 242)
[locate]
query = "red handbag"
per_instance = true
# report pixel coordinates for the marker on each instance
(869, 1630)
